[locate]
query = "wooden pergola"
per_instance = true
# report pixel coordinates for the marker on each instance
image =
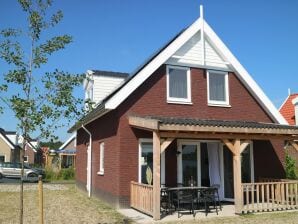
(234, 134)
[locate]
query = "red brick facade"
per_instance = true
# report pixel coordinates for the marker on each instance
(121, 141)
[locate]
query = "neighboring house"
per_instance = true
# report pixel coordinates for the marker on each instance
(187, 115)
(289, 109)
(9, 150)
(31, 155)
(67, 153)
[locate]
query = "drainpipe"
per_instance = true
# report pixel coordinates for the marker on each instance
(89, 165)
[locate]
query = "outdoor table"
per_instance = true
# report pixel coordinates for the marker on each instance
(192, 189)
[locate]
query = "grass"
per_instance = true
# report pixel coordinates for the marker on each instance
(60, 206)
(71, 206)
(264, 218)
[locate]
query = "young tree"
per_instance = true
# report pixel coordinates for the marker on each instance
(41, 101)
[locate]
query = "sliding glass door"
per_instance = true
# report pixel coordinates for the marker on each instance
(188, 163)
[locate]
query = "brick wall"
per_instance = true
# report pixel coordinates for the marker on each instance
(31, 155)
(121, 141)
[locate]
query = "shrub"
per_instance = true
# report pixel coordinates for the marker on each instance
(50, 174)
(290, 167)
(67, 174)
(63, 174)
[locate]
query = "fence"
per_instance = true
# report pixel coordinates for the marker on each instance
(141, 197)
(270, 196)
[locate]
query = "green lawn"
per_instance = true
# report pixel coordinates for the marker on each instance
(63, 203)
(61, 206)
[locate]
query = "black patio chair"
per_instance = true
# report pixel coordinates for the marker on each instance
(217, 186)
(209, 197)
(183, 201)
(165, 201)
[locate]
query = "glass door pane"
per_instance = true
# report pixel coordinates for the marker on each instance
(205, 181)
(146, 162)
(246, 166)
(189, 165)
(228, 173)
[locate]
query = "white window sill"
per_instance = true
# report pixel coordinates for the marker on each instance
(179, 102)
(219, 105)
(101, 173)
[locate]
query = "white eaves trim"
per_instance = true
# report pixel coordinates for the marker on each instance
(7, 142)
(244, 76)
(68, 141)
(163, 56)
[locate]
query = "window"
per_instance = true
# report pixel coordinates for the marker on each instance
(178, 85)
(101, 158)
(146, 162)
(218, 88)
(26, 159)
(2, 159)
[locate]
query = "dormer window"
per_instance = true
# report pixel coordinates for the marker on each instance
(178, 85)
(218, 88)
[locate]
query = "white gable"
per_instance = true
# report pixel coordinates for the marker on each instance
(191, 54)
(187, 45)
(104, 85)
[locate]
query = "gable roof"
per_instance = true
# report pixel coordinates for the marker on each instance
(6, 139)
(287, 109)
(68, 141)
(145, 71)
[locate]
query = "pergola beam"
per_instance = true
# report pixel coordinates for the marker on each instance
(214, 135)
(165, 144)
(294, 144)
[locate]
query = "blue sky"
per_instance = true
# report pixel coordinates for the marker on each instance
(119, 35)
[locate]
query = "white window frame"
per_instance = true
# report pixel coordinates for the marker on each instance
(225, 103)
(26, 159)
(180, 143)
(188, 81)
(101, 158)
(162, 161)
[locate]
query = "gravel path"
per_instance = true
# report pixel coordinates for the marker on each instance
(31, 187)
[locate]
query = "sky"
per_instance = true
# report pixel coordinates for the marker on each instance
(118, 35)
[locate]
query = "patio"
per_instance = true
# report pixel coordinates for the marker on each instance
(236, 137)
(228, 210)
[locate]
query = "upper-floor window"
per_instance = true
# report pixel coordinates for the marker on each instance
(178, 85)
(218, 88)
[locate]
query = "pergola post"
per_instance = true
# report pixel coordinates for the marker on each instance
(156, 175)
(237, 177)
(236, 148)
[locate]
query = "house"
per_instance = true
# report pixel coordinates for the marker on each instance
(67, 152)
(9, 150)
(188, 114)
(289, 109)
(31, 154)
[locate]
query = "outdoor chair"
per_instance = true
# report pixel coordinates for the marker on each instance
(183, 201)
(165, 201)
(217, 186)
(207, 197)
